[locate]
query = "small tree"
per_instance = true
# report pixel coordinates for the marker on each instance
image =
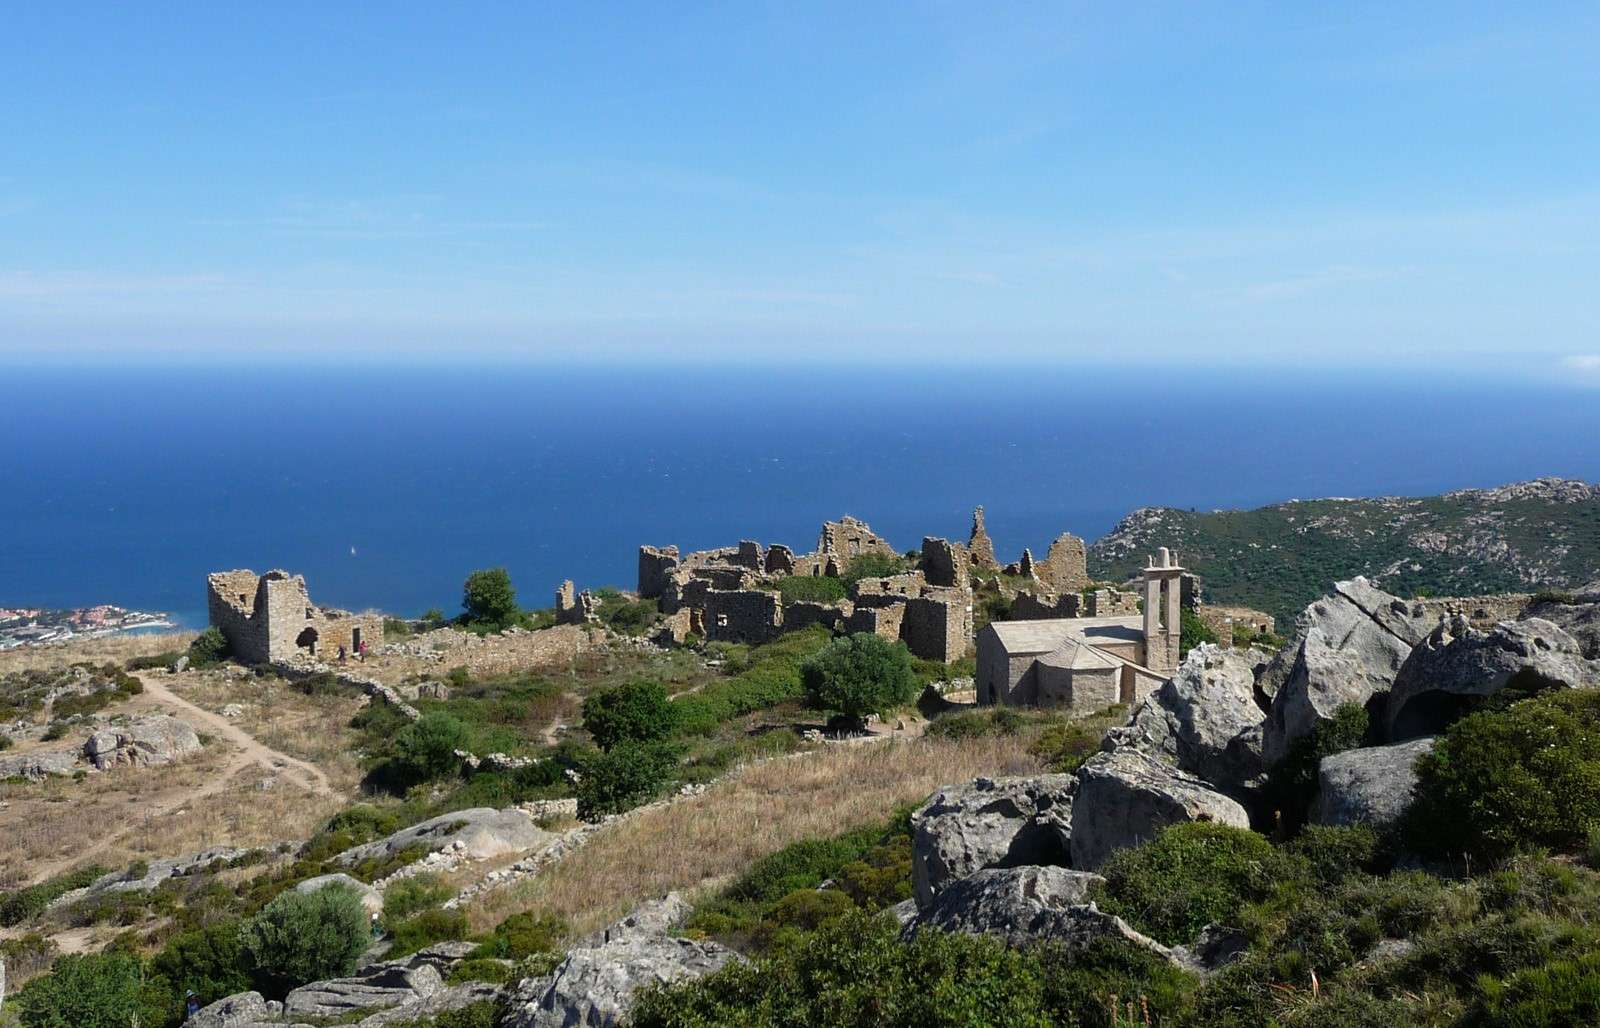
(859, 675)
(1192, 631)
(426, 748)
(306, 937)
(620, 780)
(209, 648)
(489, 599)
(635, 712)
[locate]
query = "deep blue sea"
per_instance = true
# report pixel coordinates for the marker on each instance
(386, 485)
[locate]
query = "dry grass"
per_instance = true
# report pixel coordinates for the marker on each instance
(130, 814)
(315, 729)
(113, 648)
(698, 840)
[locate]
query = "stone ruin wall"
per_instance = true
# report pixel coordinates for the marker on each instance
(656, 565)
(980, 548)
(945, 563)
(280, 622)
(851, 537)
(1065, 568)
(743, 615)
(230, 602)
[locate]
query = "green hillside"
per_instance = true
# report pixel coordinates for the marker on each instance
(1535, 535)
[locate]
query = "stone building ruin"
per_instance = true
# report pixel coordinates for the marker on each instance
(1085, 661)
(270, 617)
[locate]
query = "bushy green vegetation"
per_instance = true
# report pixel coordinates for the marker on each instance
(425, 749)
(874, 565)
(489, 601)
(521, 936)
(764, 677)
(636, 712)
(209, 648)
(624, 777)
(154, 661)
(1189, 876)
(624, 615)
(1192, 631)
(811, 589)
(98, 990)
(1500, 781)
(23, 904)
(859, 675)
(306, 937)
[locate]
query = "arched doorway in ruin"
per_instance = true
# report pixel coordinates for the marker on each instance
(307, 640)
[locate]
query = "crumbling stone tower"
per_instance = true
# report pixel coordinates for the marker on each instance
(980, 546)
(271, 617)
(1163, 593)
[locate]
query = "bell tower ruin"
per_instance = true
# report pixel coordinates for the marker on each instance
(1163, 595)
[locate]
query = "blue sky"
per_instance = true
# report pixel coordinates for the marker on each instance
(1258, 184)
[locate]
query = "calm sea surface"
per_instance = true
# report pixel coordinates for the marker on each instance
(386, 486)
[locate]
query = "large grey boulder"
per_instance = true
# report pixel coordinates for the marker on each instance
(483, 832)
(372, 988)
(1368, 786)
(371, 899)
(452, 997)
(989, 823)
(1579, 619)
(1347, 648)
(39, 765)
(1125, 798)
(148, 742)
(243, 1010)
(1457, 664)
(1025, 905)
(595, 985)
(1205, 719)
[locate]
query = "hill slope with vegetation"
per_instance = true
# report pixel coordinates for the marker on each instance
(1543, 534)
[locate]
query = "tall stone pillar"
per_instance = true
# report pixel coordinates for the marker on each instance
(1163, 596)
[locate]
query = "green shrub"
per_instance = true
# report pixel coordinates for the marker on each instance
(633, 713)
(5, 742)
(151, 663)
(1292, 783)
(856, 971)
(1498, 781)
(1334, 853)
(1561, 992)
(209, 648)
(523, 935)
(413, 894)
(764, 677)
(306, 937)
(800, 912)
(1094, 987)
(811, 589)
(54, 730)
(1064, 748)
(25, 903)
(489, 599)
(210, 961)
(426, 928)
(1187, 877)
(97, 990)
(874, 565)
(1192, 631)
(482, 1014)
(631, 774)
(977, 724)
(482, 969)
(627, 616)
(859, 675)
(426, 748)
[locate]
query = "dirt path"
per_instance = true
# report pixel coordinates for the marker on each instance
(248, 752)
(251, 751)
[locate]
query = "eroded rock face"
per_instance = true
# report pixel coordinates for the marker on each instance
(244, 1010)
(1368, 786)
(371, 899)
(1205, 719)
(1125, 798)
(1581, 620)
(37, 766)
(372, 988)
(483, 831)
(1024, 905)
(1348, 648)
(147, 742)
(1457, 663)
(596, 984)
(989, 823)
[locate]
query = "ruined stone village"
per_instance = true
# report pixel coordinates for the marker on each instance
(1066, 730)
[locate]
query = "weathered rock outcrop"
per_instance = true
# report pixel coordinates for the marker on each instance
(595, 985)
(39, 765)
(1457, 664)
(1205, 719)
(372, 988)
(1347, 648)
(1125, 798)
(483, 831)
(1023, 905)
(244, 1010)
(371, 899)
(989, 823)
(147, 742)
(1579, 619)
(1368, 786)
